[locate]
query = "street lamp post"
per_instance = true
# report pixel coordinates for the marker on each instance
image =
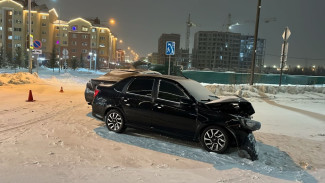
(90, 59)
(95, 61)
(30, 62)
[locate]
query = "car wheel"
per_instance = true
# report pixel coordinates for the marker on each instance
(215, 139)
(115, 121)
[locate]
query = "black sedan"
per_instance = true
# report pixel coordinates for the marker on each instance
(111, 78)
(180, 107)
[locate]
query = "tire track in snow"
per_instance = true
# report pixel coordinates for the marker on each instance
(307, 113)
(37, 120)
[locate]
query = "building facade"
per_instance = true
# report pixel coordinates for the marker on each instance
(162, 57)
(246, 52)
(79, 37)
(225, 51)
(215, 50)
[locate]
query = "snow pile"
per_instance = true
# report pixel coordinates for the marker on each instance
(272, 161)
(248, 91)
(18, 78)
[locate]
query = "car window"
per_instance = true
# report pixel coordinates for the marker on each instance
(120, 85)
(141, 86)
(170, 91)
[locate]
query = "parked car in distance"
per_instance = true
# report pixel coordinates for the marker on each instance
(179, 107)
(111, 78)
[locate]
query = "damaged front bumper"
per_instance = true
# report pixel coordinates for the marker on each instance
(242, 129)
(250, 124)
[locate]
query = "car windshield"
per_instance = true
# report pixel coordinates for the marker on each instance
(198, 91)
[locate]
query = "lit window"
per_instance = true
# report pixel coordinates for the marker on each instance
(102, 45)
(43, 40)
(102, 30)
(93, 30)
(84, 29)
(10, 12)
(0, 28)
(43, 17)
(65, 35)
(10, 37)
(9, 29)
(17, 45)
(64, 28)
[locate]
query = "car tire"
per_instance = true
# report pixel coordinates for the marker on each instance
(215, 139)
(115, 121)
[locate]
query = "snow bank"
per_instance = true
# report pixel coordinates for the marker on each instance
(18, 78)
(248, 91)
(272, 161)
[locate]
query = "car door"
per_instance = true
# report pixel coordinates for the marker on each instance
(137, 102)
(169, 114)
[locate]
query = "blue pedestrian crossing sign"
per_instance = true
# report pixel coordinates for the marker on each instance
(170, 48)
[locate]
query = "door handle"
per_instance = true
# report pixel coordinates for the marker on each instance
(159, 106)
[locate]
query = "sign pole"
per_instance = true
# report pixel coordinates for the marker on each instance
(169, 65)
(284, 53)
(37, 63)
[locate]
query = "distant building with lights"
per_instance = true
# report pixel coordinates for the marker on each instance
(80, 37)
(153, 58)
(226, 51)
(120, 55)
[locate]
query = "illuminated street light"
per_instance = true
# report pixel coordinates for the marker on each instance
(112, 21)
(121, 41)
(274, 66)
(298, 66)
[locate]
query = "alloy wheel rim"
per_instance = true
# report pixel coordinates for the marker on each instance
(114, 121)
(214, 139)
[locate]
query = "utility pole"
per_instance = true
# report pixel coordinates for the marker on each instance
(255, 41)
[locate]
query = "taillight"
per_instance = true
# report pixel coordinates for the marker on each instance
(96, 92)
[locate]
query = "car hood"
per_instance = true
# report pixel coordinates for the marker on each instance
(232, 105)
(227, 99)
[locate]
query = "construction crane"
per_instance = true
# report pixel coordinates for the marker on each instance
(228, 26)
(189, 24)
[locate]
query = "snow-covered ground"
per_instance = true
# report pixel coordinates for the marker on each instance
(56, 139)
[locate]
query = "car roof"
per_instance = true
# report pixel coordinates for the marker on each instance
(175, 78)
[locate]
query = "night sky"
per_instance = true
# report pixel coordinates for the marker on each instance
(141, 22)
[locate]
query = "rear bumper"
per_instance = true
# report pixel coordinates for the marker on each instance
(89, 95)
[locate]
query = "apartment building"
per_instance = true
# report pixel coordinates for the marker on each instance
(215, 50)
(14, 26)
(78, 36)
(226, 51)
